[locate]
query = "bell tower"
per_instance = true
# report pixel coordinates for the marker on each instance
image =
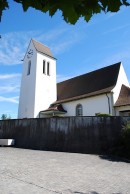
(38, 84)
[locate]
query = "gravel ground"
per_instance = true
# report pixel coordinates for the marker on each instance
(25, 171)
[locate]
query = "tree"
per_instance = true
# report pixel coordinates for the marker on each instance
(5, 117)
(71, 10)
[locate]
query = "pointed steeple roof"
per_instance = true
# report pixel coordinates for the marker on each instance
(42, 48)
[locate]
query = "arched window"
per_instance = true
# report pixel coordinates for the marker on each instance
(29, 68)
(79, 110)
(44, 67)
(48, 68)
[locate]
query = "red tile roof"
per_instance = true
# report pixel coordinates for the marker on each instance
(124, 97)
(56, 107)
(42, 48)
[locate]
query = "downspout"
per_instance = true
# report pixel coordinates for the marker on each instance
(40, 114)
(108, 103)
(113, 108)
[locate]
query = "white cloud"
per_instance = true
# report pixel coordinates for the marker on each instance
(13, 45)
(116, 29)
(63, 46)
(9, 76)
(10, 83)
(120, 56)
(51, 35)
(60, 40)
(64, 43)
(9, 88)
(10, 99)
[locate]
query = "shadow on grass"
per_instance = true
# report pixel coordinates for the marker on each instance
(114, 158)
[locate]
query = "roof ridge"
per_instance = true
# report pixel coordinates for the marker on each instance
(40, 43)
(41, 48)
(123, 85)
(89, 83)
(119, 63)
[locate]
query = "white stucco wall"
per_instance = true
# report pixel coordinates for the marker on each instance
(91, 105)
(99, 104)
(38, 90)
(45, 92)
(122, 79)
(123, 108)
(27, 91)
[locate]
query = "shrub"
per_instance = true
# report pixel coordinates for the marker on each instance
(126, 135)
(5, 117)
(122, 148)
(103, 115)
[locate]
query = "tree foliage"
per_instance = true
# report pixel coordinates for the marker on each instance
(122, 146)
(126, 135)
(71, 10)
(5, 117)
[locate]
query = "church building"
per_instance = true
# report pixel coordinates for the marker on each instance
(103, 91)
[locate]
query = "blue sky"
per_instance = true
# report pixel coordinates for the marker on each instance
(79, 48)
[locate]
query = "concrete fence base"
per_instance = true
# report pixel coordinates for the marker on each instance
(6, 142)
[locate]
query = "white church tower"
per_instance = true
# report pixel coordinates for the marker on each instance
(38, 84)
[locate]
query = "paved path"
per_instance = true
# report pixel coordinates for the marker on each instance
(38, 172)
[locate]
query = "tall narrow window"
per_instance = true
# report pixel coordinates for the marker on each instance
(79, 110)
(29, 68)
(48, 68)
(44, 67)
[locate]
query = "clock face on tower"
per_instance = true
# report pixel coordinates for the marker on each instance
(30, 53)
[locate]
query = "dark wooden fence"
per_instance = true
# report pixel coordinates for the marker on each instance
(69, 134)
